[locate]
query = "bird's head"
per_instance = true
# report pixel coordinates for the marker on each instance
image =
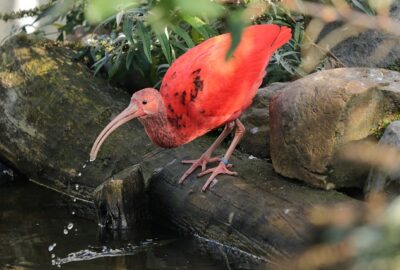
(144, 103)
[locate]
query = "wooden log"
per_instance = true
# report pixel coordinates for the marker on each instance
(120, 201)
(52, 109)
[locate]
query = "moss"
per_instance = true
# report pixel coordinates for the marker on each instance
(382, 125)
(9, 79)
(37, 67)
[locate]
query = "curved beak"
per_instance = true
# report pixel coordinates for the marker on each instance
(126, 115)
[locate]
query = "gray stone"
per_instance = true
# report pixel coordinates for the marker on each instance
(256, 139)
(370, 48)
(313, 119)
(381, 180)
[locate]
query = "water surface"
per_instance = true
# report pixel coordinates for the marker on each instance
(38, 230)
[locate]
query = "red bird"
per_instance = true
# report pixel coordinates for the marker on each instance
(201, 91)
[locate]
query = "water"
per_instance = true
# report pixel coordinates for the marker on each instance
(33, 222)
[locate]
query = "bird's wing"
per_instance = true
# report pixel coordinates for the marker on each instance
(202, 88)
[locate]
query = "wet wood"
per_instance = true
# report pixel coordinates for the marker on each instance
(121, 201)
(52, 109)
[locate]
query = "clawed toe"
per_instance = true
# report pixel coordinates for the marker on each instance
(220, 169)
(201, 162)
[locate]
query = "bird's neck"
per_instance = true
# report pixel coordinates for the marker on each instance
(159, 130)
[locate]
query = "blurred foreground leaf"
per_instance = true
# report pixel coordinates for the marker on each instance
(98, 10)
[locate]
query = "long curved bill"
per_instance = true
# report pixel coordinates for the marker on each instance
(126, 115)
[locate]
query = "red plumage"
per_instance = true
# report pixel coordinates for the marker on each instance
(202, 90)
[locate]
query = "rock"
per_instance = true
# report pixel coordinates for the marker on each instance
(370, 48)
(380, 180)
(256, 139)
(121, 201)
(312, 119)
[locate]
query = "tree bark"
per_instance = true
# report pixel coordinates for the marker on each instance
(52, 109)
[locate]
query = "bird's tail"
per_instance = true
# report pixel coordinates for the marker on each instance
(284, 35)
(269, 37)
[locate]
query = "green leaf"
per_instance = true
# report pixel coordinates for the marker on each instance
(182, 33)
(145, 38)
(114, 68)
(178, 45)
(236, 26)
(362, 7)
(127, 26)
(58, 9)
(129, 58)
(165, 46)
(118, 17)
(99, 64)
(199, 7)
(199, 25)
(297, 33)
(98, 10)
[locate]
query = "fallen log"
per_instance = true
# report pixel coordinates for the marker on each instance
(52, 109)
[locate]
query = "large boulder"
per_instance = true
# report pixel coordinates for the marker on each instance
(314, 118)
(256, 140)
(381, 179)
(367, 48)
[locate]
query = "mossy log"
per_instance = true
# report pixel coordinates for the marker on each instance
(52, 109)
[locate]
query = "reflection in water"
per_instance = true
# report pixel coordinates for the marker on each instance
(32, 224)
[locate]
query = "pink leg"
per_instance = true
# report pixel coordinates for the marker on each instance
(223, 166)
(206, 156)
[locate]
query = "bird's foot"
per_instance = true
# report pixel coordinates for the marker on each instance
(222, 168)
(201, 162)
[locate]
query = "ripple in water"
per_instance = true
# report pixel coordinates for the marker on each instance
(101, 252)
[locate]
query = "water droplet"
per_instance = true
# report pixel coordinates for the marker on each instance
(76, 187)
(51, 247)
(79, 174)
(251, 157)
(70, 226)
(53, 256)
(254, 130)
(53, 262)
(65, 231)
(74, 199)
(73, 213)
(84, 166)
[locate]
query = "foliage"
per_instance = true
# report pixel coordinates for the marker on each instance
(135, 41)
(354, 236)
(25, 13)
(138, 40)
(384, 123)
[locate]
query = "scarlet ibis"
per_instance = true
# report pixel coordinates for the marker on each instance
(201, 91)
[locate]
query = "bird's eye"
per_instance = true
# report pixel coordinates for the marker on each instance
(144, 102)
